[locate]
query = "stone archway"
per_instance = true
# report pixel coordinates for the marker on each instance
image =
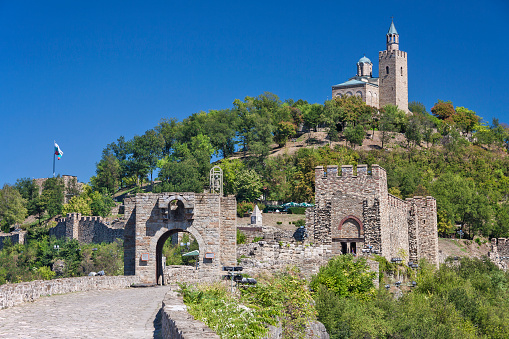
(351, 227)
(209, 217)
(160, 238)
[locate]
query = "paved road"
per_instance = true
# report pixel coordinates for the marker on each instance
(121, 313)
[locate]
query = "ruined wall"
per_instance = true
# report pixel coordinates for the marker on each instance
(499, 252)
(16, 237)
(87, 229)
(277, 255)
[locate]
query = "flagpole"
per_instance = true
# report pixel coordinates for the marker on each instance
(53, 159)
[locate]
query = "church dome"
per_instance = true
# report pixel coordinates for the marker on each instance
(364, 60)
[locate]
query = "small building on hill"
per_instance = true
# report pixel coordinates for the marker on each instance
(354, 212)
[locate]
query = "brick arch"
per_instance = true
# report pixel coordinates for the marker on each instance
(351, 217)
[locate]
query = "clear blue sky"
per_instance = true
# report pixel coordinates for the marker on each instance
(84, 73)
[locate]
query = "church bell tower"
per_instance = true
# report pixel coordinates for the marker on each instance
(392, 72)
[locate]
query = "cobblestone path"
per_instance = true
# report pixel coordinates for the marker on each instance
(121, 313)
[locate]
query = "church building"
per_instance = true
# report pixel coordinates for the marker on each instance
(391, 87)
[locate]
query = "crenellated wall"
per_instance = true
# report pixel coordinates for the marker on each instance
(87, 229)
(354, 211)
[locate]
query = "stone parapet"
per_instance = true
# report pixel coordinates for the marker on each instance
(177, 323)
(16, 237)
(15, 294)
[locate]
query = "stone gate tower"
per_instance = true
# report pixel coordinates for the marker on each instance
(392, 72)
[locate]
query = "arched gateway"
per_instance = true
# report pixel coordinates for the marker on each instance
(153, 217)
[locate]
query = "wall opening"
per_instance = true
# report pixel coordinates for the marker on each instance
(170, 248)
(387, 69)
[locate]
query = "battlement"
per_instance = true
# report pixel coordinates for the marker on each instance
(347, 171)
(392, 53)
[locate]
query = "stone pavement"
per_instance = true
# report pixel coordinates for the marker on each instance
(120, 313)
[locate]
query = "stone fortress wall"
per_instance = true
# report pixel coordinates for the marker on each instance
(68, 180)
(87, 229)
(354, 211)
(16, 237)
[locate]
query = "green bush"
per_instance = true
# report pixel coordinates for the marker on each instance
(241, 237)
(300, 222)
(244, 207)
(296, 210)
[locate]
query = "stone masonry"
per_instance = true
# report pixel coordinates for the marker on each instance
(354, 211)
(16, 237)
(87, 229)
(152, 218)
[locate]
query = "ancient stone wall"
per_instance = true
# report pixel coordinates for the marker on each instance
(356, 211)
(16, 237)
(277, 255)
(153, 218)
(68, 181)
(176, 323)
(87, 229)
(15, 294)
(396, 244)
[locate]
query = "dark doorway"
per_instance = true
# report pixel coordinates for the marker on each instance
(353, 247)
(344, 248)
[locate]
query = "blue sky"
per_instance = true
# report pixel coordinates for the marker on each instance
(84, 73)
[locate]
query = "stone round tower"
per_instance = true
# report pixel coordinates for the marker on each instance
(393, 81)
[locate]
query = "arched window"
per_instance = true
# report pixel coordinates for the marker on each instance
(401, 71)
(387, 69)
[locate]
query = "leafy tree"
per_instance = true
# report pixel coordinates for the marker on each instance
(182, 176)
(221, 130)
(29, 191)
(413, 131)
(248, 185)
(312, 115)
(284, 130)
(146, 150)
(355, 135)
(171, 131)
(107, 174)
(443, 110)
(465, 119)
(417, 108)
(12, 207)
(345, 277)
(101, 204)
(389, 122)
(53, 195)
(78, 204)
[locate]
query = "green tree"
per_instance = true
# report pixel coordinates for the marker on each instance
(53, 195)
(390, 122)
(171, 132)
(107, 174)
(78, 204)
(248, 185)
(29, 191)
(12, 207)
(146, 150)
(355, 135)
(284, 130)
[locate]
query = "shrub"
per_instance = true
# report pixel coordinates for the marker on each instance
(296, 210)
(300, 222)
(241, 237)
(244, 207)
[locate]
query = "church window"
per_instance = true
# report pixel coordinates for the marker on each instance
(387, 69)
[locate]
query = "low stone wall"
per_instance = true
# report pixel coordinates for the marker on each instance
(276, 255)
(15, 294)
(176, 323)
(181, 273)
